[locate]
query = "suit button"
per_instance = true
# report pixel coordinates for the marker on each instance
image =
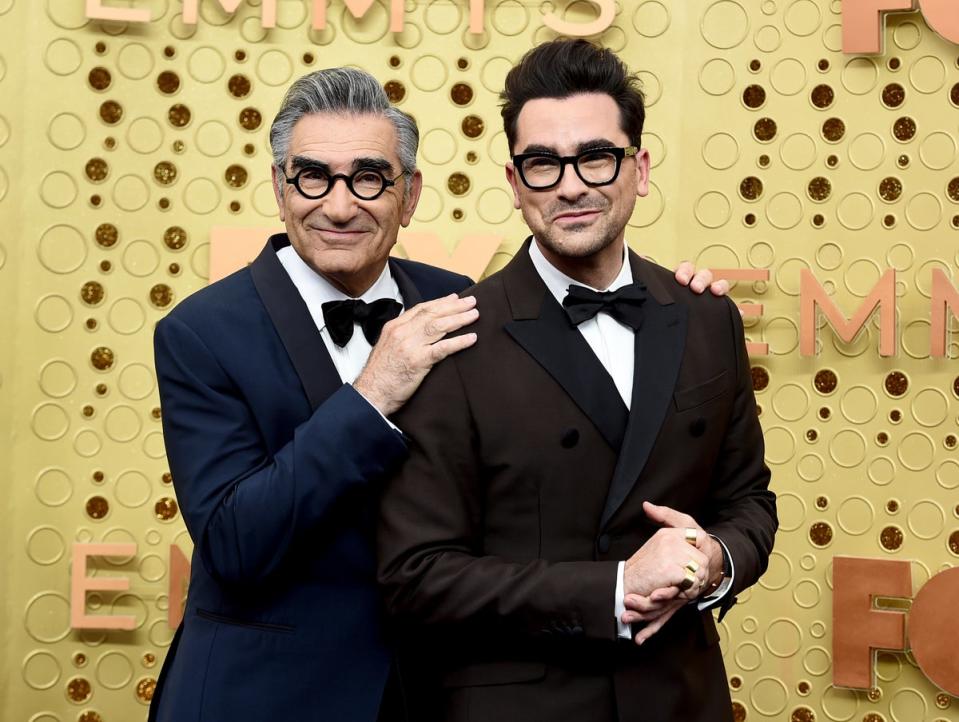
(603, 543)
(698, 427)
(570, 438)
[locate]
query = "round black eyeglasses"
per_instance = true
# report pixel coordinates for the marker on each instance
(595, 167)
(315, 183)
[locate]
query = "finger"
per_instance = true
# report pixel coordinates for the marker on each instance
(684, 272)
(720, 287)
(639, 603)
(668, 517)
(436, 328)
(441, 349)
(650, 629)
(664, 594)
(701, 280)
(445, 306)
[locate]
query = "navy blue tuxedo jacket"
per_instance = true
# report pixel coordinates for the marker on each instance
(277, 465)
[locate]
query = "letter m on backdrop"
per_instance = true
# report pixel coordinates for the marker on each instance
(812, 296)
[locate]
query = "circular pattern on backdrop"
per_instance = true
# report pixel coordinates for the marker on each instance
(802, 18)
(53, 313)
(717, 76)
(62, 57)
(114, 670)
(495, 205)
(651, 18)
(428, 73)
(788, 77)
(937, 151)
(53, 487)
(131, 193)
(40, 671)
(206, 64)
(720, 151)
(724, 24)
(47, 617)
(45, 545)
(135, 61)
(798, 151)
(274, 68)
(66, 131)
(140, 258)
(769, 696)
(860, 75)
(928, 74)
(145, 135)
(58, 189)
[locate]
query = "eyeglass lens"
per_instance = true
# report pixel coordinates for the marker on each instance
(593, 167)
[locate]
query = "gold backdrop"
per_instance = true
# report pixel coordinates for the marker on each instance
(122, 145)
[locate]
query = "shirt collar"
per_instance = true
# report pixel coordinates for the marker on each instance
(316, 290)
(558, 282)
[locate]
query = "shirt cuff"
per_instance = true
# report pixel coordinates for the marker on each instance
(723, 589)
(619, 607)
(391, 424)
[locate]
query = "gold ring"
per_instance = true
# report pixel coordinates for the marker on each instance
(692, 535)
(692, 566)
(688, 581)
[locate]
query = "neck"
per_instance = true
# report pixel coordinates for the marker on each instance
(598, 270)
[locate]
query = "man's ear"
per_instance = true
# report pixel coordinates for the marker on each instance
(513, 177)
(278, 184)
(642, 172)
(411, 198)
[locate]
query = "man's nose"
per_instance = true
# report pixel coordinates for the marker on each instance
(571, 186)
(340, 204)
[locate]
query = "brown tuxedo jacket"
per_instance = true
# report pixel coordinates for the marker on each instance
(500, 537)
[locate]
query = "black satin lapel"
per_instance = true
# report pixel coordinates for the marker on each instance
(561, 349)
(295, 325)
(660, 343)
(410, 293)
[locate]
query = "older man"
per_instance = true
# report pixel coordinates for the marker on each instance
(593, 461)
(276, 383)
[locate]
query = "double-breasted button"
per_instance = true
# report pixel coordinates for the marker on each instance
(698, 427)
(570, 438)
(603, 543)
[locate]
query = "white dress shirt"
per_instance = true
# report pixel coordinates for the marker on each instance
(315, 290)
(613, 344)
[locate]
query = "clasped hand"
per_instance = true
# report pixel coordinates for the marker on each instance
(655, 575)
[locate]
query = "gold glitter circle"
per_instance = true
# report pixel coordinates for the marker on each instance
(473, 126)
(395, 90)
(954, 543)
(825, 381)
(99, 78)
(954, 94)
(833, 129)
(811, 435)
(874, 694)
(873, 717)
(250, 118)
(751, 188)
(97, 507)
(819, 188)
(891, 538)
(97, 169)
(820, 533)
(904, 128)
(825, 412)
(764, 129)
(174, 238)
(168, 82)
(165, 508)
(161, 295)
(943, 700)
(892, 506)
(79, 689)
(179, 115)
(145, 688)
(461, 93)
(236, 176)
(79, 659)
(167, 477)
(821, 502)
(893, 95)
(735, 682)
(882, 438)
(760, 378)
(822, 96)
(239, 86)
(754, 96)
(896, 383)
(890, 188)
(102, 358)
(739, 712)
(802, 714)
(823, 65)
(98, 476)
(90, 716)
(895, 416)
(952, 190)
(92, 293)
(165, 173)
(111, 112)
(458, 184)
(149, 659)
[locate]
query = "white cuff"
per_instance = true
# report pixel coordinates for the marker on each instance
(392, 425)
(622, 630)
(723, 589)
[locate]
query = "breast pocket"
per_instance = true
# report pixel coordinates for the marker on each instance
(698, 394)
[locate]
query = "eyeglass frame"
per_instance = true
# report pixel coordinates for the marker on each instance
(629, 151)
(334, 177)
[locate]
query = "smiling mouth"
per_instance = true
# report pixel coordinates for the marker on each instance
(576, 216)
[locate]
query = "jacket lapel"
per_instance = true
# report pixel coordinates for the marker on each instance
(408, 290)
(660, 343)
(293, 323)
(542, 328)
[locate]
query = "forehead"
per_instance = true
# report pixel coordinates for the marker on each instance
(339, 138)
(564, 123)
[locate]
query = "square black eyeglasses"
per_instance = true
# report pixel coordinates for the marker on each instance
(595, 167)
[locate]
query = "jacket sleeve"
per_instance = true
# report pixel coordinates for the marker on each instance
(432, 565)
(245, 508)
(742, 509)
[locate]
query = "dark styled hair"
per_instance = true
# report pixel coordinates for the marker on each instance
(561, 68)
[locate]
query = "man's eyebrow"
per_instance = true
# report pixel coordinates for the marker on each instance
(380, 164)
(298, 162)
(537, 148)
(592, 144)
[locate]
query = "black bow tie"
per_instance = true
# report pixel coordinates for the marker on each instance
(624, 304)
(340, 316)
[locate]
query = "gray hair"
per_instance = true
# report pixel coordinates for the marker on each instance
(348, 91)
